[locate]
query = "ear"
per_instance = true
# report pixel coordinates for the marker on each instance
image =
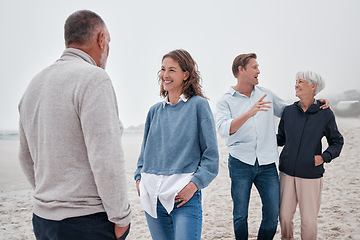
(314, 86)
(187, 74)
(240, 69)
(101, 40)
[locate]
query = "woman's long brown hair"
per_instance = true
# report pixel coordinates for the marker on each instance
(192, 85)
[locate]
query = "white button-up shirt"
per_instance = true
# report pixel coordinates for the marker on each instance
(256, 138)
(162, 187)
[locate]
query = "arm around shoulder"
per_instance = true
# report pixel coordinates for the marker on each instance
(279, 105)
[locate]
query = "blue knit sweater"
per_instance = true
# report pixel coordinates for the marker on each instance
(180, 138)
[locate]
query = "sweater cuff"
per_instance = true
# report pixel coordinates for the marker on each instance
(124, 220)
(197, 182)
(326, 156)
(137, 177)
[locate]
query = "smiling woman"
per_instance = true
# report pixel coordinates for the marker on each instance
(301, 129)
(172, 78)
(182, 68)
(179, 155)
(307, 85)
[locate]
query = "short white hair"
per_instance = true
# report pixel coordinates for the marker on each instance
(312, 78)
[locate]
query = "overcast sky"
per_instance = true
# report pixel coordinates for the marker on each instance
(288, 36)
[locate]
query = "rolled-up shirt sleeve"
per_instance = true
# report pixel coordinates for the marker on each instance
(223, 118)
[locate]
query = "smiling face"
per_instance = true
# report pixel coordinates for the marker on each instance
(251, 72)
(304, 89)
(172, 76)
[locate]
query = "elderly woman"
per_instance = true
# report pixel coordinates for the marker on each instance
(302, 126)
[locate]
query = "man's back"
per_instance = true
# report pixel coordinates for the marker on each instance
(70, 125)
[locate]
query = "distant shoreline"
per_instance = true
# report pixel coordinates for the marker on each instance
(13, 135)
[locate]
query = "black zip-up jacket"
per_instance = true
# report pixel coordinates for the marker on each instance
(300, 133)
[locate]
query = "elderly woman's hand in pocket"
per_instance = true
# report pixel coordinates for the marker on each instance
(318, 160)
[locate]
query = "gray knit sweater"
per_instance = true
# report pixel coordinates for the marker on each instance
(70, 141)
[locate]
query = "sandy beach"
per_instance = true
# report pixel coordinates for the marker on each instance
(339, 216)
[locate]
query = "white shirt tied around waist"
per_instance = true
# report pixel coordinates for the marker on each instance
(162, 187)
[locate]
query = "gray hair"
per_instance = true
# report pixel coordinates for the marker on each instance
(79, 27)
(312, 78)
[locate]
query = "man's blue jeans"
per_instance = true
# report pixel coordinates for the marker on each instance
(95, 226)
(182, 223)
(266, 180)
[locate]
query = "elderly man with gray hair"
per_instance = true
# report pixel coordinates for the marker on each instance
(70, 141)
(301, 128)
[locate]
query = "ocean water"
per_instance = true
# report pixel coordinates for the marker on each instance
(9, 135)
(12, 177)
(131, 143)
(14, 134)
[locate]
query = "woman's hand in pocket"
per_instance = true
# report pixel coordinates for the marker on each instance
(318, 160)
(186, 194)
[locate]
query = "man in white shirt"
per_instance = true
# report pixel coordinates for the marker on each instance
(245, 117)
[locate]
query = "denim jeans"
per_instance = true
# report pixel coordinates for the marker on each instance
(95, 226)
(182, 223)
(266, 180)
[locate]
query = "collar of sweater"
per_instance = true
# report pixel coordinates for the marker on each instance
(77, 53)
